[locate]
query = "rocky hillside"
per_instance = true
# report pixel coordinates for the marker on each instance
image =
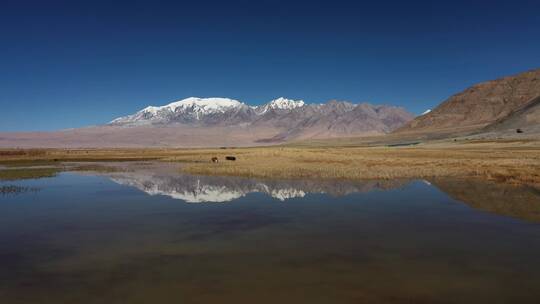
(526, 119)
(479, 106)
(336, 119)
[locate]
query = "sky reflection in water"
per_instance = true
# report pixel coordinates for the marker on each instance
(96, 239)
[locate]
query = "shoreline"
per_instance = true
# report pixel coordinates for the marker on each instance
(508, 162)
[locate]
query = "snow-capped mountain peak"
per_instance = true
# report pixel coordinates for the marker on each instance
(280, 103)
(151, 109)
(195, 109)
(284, 103)
(208, 104)
(192, 107)
(291, 117)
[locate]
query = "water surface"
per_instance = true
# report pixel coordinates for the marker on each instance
(152, 235)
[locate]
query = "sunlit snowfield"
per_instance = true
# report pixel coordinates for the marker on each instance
(149, 235)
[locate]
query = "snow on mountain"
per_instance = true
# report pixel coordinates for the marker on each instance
(282, 118)
(279, 104)
(205, 105)
(425, 112)
(192, 107)
(196, 109)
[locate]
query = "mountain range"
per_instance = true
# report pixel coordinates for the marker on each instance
(160, 180)
(206, 111)
(294, 118)
(204, 122)
(505, 107)
(164, 179)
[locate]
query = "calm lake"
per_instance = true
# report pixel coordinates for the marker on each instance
(148, 234)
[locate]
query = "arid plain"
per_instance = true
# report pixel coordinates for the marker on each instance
(512, 161)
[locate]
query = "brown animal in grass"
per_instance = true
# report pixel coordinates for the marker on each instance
(215, 159)
(233, 158)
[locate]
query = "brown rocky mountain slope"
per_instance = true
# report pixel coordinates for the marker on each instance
(526, 118)
(479, 105)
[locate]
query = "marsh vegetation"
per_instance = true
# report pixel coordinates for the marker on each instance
(14, 189)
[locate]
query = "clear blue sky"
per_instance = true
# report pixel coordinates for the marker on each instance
(75, 63)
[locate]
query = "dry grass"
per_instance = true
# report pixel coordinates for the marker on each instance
(94, 168)
(507, 164)
(512, 162)
(52, 156)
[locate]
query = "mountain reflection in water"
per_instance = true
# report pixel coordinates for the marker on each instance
(507, 200)
(498, 198)
(202, 189)
(86, 239)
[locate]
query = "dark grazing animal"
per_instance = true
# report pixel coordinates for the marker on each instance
(215, 159)
(233, 158)
(519, 131)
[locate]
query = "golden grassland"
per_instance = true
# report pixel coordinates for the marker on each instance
(515, 162)
(504, 164)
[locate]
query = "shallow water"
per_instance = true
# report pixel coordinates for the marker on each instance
(151, 235)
